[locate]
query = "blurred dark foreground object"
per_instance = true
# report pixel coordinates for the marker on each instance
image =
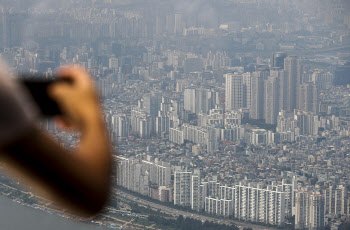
(37, 87)
(76, 179)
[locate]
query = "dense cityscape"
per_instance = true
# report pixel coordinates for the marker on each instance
(231, 108)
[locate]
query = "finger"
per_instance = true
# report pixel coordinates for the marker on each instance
(58, 91)
(65, 71)
(78, 74)
(64, 124)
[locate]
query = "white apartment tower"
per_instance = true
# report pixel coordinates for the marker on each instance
(159, 173)
(138, 175)
(289, 189)
(271, 100)
(182, 188)
(234, 91)
(203, 193)
(336, 200)
(195, 192)
(218, 206)
(113, 63)
(260, 205)
(197, 100)
(309, 210)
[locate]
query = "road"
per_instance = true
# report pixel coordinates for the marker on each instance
(44, 205)
(171, 211)
(175, 212)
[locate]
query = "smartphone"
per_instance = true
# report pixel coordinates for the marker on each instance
(37, 87)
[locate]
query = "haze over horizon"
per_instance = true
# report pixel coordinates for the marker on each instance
(206, 102)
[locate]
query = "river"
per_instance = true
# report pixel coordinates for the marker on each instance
(14, 216)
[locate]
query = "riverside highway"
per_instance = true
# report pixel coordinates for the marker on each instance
(175, 212)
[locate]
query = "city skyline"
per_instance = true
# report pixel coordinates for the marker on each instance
(234, 108)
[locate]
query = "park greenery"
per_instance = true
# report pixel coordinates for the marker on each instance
(187, 223)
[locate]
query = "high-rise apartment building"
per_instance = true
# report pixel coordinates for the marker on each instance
(138, 175)
(227, 192)
(272, 92)
(170, 23)
(160, 24)
(258, 94)
(195, 134)
(195, 192)
(159, 172)
(289, 190)
(218, 206)
(120, 125)
(203, 193)
(190, 99)
(113, 63)
(217, 60)
(131, 175)
(141, 123)
(198, 100)
(214, 189)
(278, 60)
(162, 124)
(146, 127)
(182, 188)
(293, 76)
(308, 98)
(179, 24)
(151, 103)
(5, 28)
(260, 205)
(307, 123)
(165, 194)
(336, 200)
(283, 84)
(309, 210)
(176, 136)
(234, 91)
(322, 79)
(247, 95)
(213, 136)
